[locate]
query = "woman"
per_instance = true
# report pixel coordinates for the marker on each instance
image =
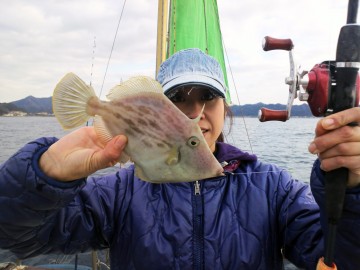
(247, 219)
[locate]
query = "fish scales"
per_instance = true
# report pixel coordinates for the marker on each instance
(152, 124)
(147, 129)
(164, 144)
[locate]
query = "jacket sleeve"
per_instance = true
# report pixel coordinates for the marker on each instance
(40, 215)
(347, 247)
(298, 222)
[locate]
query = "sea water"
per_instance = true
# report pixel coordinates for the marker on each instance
(282, 143)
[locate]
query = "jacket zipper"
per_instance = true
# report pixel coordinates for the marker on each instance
(198, 245)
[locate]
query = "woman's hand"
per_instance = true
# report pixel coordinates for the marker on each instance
(338, 145)
(80, 154)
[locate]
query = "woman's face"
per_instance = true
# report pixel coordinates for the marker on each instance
(190, 100)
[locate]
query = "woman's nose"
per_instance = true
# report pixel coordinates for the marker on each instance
(194, 110)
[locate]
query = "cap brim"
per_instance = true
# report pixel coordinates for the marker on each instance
(192, 79)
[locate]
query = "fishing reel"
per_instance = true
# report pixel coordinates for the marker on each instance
(314, 86)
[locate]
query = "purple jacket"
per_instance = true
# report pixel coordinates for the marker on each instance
(247, 219)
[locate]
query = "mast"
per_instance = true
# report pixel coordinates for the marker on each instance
(161, 44)
(190, 24)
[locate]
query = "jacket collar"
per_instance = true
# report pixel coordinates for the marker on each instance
(230, 157)
(227, 152)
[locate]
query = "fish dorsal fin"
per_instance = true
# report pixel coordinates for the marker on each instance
(134, 86)
(105, 136)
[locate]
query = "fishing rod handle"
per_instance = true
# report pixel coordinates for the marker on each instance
(322, 266)
(270, 43)
(265, 115)
(341, 97)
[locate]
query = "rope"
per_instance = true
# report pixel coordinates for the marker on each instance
(206, 31)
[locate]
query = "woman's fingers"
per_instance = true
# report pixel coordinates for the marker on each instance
(110, 155)
(337, 143)
(337, 120)
(80, 154)
(328, 140)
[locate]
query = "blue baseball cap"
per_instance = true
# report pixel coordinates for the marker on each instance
(191, 67)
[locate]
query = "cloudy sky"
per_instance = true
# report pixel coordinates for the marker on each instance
(43, 40)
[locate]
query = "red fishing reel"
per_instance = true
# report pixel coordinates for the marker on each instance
(314, 86)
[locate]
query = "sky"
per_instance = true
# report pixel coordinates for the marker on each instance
(42, 40)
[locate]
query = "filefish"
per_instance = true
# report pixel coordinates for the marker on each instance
(163, 143)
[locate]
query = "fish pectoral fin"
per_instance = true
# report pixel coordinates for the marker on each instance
(105, 136)
(173, 156)
(101, 130)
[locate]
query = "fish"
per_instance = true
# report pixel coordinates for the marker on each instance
(163, 143)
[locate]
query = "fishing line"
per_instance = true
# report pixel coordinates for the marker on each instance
(233, 82)
(206, 32)
(112, 47)
(92, 61)
(260, 172)
(91, 70)
(237, 96)
(236, 91)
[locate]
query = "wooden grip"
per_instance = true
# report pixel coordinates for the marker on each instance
(322, 266)
(270, 43)
(272, 115)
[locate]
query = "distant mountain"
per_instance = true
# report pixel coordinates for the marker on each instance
(33, 105)
(8, 107)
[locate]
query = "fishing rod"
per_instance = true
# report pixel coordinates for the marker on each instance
(342, 97)
(329, 87)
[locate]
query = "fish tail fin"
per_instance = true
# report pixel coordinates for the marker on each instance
(70, 99)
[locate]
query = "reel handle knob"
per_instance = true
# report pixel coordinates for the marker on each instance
(270, 43)
(265, 115)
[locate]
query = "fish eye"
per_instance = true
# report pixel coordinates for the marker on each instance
(193, 141)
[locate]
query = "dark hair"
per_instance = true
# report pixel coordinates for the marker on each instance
(228, 113)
